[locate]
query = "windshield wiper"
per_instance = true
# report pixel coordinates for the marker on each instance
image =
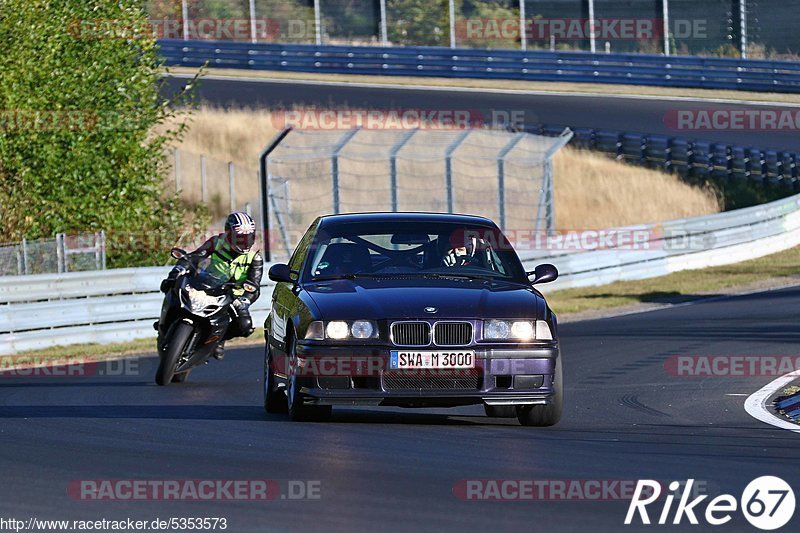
(439, 275)
(342, 276)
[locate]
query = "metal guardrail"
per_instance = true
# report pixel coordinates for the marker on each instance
(119, 305)
(687, 156)
(577, 67)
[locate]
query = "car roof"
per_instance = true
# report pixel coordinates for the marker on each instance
(386, 217)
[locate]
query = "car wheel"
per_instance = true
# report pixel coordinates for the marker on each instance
(294, 398)
(500, 411)
(274, 398)
(545, 415)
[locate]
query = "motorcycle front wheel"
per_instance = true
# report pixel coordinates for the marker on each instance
(176, 344)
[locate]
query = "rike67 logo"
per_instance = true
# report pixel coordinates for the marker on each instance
(767, 503)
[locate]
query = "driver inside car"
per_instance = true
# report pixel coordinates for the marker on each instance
(467, 249)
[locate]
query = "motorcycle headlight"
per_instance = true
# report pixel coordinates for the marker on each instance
(516, 330)
(199, 300)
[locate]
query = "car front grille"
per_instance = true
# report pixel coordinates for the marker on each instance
(464, 379)
(411, 333)
(452, 334)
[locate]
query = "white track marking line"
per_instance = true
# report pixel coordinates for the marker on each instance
(755, 405)
(523, 92)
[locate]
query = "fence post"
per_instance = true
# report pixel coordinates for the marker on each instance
(448, 167)
(26, 266)
(177, 171)
(185, 17)
(592, 34)
(103, 249)
(335, 168)
(743, 28)
(452, 17)
(253, 37)
(523, 34)
(665, 4)
(232, 186)
(501, 177)
(393, 165)
(203, 177)
(20, 266)
(317, 23)
(384, 24)
(263, 188)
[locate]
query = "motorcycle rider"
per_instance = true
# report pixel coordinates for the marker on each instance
(232, 256)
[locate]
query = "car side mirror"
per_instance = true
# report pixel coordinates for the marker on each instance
(544, 273)
(178, 253)
(280, 272)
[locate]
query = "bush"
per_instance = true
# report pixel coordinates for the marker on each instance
(79, 97)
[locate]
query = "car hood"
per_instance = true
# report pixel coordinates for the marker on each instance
(407, 298)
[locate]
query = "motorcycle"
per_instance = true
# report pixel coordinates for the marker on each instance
(194, 318)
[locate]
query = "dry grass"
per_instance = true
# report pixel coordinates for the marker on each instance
(591, 190)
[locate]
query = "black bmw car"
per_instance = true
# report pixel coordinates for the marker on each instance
(413, 310)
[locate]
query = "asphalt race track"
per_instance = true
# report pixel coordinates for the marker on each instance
(626, 418)
(578, 111)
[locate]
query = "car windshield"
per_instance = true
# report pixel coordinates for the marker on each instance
(406, 248)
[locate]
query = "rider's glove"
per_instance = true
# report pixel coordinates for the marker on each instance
(241, 304)
(166, 285)
(177, 272)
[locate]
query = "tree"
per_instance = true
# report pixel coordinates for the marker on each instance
(79, 101)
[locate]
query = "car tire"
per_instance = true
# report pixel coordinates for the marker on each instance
(298, 411)
(545, 415)
(274, 399)
(500, 411)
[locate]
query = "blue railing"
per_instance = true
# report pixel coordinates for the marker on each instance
(688, 157)
(578, 67)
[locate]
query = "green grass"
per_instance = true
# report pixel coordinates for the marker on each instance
(674, 288)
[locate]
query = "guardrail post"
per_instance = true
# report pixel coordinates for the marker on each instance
(393, 165)
(448, 167)
(335, 168)
(25, 265)
(61, 258)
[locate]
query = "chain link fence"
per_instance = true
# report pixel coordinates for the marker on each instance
(501, 175)
(760, 28)
(64, 253)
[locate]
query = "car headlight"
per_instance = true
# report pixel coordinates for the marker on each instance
(340, 330)
(516, 330)
(337, 330)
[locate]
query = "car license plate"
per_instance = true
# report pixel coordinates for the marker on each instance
(411, 359)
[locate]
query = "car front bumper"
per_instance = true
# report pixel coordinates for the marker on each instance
(503, 375)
